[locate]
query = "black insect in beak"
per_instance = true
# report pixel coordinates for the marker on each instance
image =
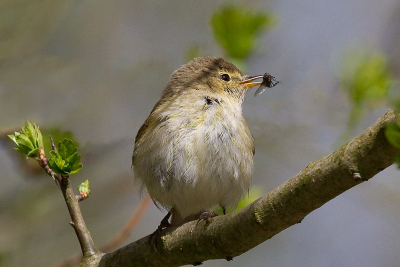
(268, 81)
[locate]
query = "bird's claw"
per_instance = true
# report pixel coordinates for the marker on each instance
(207, 215)
(156, 234)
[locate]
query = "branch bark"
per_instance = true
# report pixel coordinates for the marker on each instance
(231, 235)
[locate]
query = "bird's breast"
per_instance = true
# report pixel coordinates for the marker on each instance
(200, 153)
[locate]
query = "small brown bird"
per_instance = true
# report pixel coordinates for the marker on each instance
(195, 150)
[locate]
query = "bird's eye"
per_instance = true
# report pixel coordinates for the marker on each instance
(225, 77)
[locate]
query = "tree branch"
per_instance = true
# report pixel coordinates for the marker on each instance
(233, 234)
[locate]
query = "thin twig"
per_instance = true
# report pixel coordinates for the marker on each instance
(42, 160)
(82, 196)
(53, 146)
(88, 248)
(119, 238)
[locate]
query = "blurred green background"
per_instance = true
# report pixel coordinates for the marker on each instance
(94, 69)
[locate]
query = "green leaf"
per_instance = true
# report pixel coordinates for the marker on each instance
(366, 76)
(29, 131)
(66, 160)
(56, 163)
(39, 139)
(66, 148)
(392, 133)
(57, 134)
(76, 166)
(33, 153)
(255, 192)
(236, 29)
(24, 143)
(13, 137)
(29, 140)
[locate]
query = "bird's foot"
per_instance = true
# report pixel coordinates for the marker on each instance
(207, 215)
(156, 234)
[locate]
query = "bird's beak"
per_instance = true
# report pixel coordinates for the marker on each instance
(247, 82)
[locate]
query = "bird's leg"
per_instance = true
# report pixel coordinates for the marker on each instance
(164, 222)
(156, 234)
(207, 215)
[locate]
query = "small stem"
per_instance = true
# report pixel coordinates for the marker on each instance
(42, 160)
(119, 238)
(81, 196)
(53, 146)
(77, 222)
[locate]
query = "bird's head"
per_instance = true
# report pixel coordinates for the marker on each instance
(213, 75)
